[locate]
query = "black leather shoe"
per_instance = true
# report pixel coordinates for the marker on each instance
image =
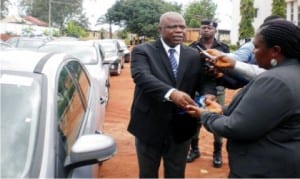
(193, 154)
(217, 160)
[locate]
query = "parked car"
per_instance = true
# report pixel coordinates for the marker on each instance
(112, 55)
(66, 38)
(47, 117)
(24, 42)
(125, 50)
(4, 45)
(91, 55)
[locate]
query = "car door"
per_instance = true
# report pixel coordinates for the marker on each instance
(71, 112)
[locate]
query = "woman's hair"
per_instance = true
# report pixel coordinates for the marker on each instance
(284, 34)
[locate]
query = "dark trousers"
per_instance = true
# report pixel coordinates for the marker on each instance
(217, 139)
(173, 155)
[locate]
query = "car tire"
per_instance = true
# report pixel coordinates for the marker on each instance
(119, 69)
(123, 63)
(107, 88)
(127, 58)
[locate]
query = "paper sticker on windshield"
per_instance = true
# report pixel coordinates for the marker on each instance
(15, 80)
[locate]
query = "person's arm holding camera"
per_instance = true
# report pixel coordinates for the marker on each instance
(224, 61)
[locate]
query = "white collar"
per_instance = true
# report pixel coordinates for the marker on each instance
(167, 47)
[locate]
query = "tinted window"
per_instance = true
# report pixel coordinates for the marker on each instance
(71, 109)
(81, 78)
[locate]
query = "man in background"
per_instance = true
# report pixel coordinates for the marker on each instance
(207, 40)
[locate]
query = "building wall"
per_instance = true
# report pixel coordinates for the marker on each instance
(264, 9)
(293, 11)
(236, 18)
(18, 29)
(192, 34)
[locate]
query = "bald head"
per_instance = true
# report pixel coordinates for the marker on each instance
(164, 18)
(171, 28)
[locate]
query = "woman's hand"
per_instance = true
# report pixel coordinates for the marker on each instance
(211, 106)
(194, 111)
(221, 60)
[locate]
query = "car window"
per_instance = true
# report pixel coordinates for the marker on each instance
(12, 41)
(30, 44)
(81, 78)
(20, 112)
(70, 110)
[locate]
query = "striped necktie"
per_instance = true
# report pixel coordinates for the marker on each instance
(173, 61)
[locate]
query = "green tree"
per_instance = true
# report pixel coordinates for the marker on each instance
(73, 29)
(140, 17)
(247, 10)
(199, 10)
(279, 8)
(4, 8)
(62, 11)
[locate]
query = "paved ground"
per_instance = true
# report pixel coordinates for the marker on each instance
(124, 163)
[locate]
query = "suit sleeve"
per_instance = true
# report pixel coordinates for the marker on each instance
(260, 110)
(144, 77)
(249, 71)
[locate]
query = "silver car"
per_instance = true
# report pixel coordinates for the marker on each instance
(125, 51)
(25, 42)
(112, 55)
(47, 117)
(90, 54)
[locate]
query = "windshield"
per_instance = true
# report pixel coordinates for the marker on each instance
(86, 54)
(20, 107)
(30, 44)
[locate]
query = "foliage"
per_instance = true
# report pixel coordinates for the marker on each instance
(279, 8)
(122, 34)
(27, 31)
(232, 47)
(54, 33)
(62, 11)
(199, 10)
(4, 8)
(74, 30)
(139, 17)
(247, 10)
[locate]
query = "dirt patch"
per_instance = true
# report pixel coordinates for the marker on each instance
(124, 163)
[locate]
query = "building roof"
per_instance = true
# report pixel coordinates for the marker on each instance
(15, 19)
(24, 20)
(35, 21)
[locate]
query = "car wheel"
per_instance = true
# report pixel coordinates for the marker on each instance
(122, 63)
(119, 69)
(127, 58)
(106, 90)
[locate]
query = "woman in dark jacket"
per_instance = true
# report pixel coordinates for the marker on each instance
(262, 123)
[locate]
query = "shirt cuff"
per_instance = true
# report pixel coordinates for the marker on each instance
(168, 94)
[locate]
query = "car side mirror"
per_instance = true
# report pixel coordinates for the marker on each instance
(92, 148)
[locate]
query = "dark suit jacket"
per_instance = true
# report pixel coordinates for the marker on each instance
(263, 125)
(152, 117)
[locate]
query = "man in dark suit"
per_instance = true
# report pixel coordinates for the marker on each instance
(165, 83)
